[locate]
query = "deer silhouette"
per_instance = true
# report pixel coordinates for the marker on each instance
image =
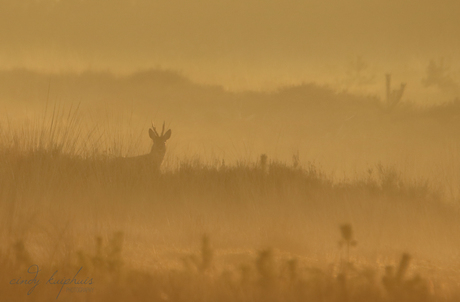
(157, 153)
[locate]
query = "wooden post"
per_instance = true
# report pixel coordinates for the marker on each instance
(388, 76)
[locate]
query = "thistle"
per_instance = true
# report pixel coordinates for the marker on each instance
(347, 238)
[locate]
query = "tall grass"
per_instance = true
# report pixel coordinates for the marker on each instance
(271, 227)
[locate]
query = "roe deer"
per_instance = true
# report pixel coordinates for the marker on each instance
(153, 159)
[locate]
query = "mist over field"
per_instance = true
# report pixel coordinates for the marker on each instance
(313, 151)
(237, 44)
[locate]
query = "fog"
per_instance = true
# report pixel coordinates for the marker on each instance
(230, 150)
(237, 44)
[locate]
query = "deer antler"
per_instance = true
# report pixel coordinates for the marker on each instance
(154, 129)
(163, 129)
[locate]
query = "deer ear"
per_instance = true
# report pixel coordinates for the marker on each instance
(167, 135)
(151, 134)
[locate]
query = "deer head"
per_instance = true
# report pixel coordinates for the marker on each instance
(159, 143)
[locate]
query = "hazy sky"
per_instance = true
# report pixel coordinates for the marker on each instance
(223, 36)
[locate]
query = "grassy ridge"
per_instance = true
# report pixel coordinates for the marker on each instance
(63, 211)
(271, 227)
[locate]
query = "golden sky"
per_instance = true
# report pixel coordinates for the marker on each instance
(247, 37)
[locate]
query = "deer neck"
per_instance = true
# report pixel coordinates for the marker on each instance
(158, 153)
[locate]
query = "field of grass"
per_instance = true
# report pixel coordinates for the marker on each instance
(313, 151)
(304, 193)
(78, 227)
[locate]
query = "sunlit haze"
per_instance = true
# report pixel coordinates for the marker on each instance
(244, 150)
(238, 44)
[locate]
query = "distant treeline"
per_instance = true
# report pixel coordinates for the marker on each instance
(167, 87)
